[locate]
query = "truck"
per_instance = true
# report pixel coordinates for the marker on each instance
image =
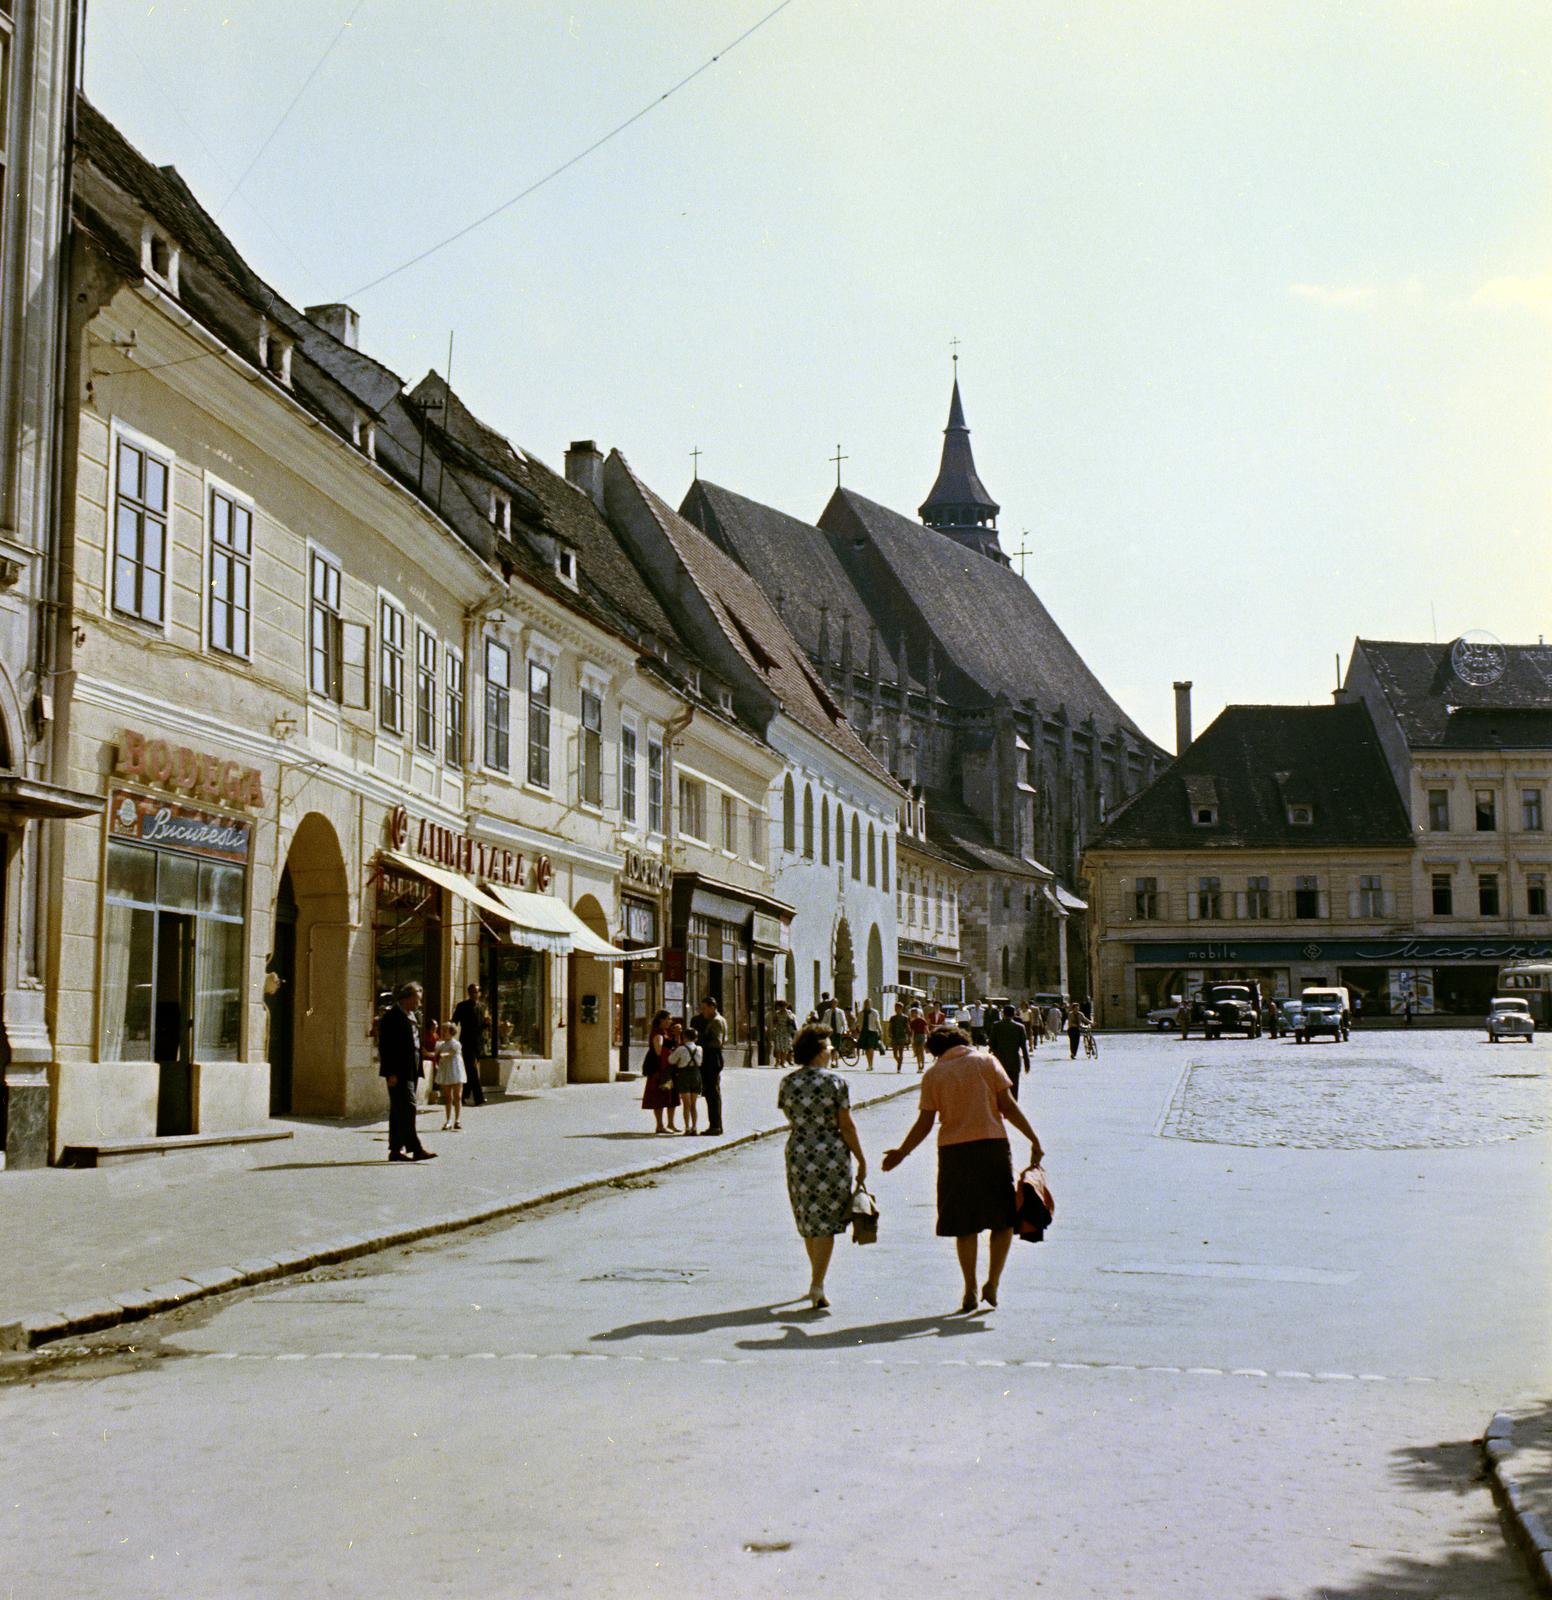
(1227, 1008)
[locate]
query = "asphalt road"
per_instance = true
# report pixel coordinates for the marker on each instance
(1285, 1289)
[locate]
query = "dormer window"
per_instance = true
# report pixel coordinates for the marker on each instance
(1301, 816)
(566, 566)
(363, 435)
(1206, 816)
(159, 258)
(1202, 796)
(501, 510)
(275, 354)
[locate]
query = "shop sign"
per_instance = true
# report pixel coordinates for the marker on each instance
(1384, 951)
(646, 870)
(432, 842)
(189, 772)
(768, 930)
(640, 922)
(148, 820)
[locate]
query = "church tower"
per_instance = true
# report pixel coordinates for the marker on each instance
(959, 504)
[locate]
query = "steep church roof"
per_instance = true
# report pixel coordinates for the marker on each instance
(990, 631)
(959, 504)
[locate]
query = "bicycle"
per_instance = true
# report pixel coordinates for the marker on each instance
(847, 1050)
(1090, 1043)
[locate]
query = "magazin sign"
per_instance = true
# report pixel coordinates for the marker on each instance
(1382, 952)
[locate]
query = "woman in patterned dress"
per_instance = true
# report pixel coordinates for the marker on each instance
(823, 1140)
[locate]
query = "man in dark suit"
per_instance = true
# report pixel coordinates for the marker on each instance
(711, 1034)
(469, 1017)
(398, 1054)
(1010, 1044)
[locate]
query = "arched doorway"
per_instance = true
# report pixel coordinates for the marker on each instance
(320, 968)
(875, 965)
(589, 1004)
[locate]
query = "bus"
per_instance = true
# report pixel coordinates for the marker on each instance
(1530, 981)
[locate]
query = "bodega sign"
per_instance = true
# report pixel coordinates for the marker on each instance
(189, 772)
(463, 853)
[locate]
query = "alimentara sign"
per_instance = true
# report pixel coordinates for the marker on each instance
(189, 772)
(463, 853)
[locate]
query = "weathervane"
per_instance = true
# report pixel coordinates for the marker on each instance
(1023, 549)
(953, 345)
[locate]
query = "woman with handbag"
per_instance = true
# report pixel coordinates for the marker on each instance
(659, 1095)
(969, 1093)
(870, 1030)
(822, 1142)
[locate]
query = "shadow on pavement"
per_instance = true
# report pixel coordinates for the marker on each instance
(688, 1327)
(311, 1166)
(626, 1133)
(788, 1315)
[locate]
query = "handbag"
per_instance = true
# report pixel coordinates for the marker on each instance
(1034, 1207)
(864, 1216)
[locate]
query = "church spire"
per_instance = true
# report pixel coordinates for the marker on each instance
(959, 504)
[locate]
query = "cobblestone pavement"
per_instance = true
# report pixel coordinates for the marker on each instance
(1390, 1091)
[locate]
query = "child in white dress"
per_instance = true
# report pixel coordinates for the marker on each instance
(450, 1074)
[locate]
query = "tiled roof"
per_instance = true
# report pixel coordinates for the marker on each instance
(992, 634)
(1247, 762)
(738, 607)
(1435, 706)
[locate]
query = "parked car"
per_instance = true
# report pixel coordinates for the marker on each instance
(1164, 1017)
(1319, 1017)
(1510, 1018)
(1231, 1008)
(1292, 1010)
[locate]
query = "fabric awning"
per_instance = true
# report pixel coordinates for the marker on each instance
(453, 882)
(544, 923)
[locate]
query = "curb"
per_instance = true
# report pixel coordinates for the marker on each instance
(91, 1316)
(1529, 1530)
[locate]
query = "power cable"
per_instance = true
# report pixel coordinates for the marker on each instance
(506, 205)
(306, 82)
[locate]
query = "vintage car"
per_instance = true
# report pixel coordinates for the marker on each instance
(1319, 1017)
(1163, 1017)
(1510, 1018)
(1292, 1010)
(1231, 1008)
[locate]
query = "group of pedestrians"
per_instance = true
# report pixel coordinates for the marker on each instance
(683, 1066)
(967, 1093)
(452, 1049)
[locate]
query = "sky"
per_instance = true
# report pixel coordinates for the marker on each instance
(1253, 300)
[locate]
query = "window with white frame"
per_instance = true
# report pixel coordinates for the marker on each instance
(426, 687)
(452, 730)
(654, 785)
(140, 533)
(498, 706)
(730, 824)
(538, 724)
(1535, 894)
(592, 768)
(757, 836)
(1258, 897)
(1209, 899)
(390, 666)
(692, 807)
(1530, 810)
(1371, 895)
(231, 555)
(627, 774)
(339, 652)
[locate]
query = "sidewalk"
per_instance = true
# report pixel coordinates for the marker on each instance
(88, 1249)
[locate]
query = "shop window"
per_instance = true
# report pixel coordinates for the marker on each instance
(425, 690)
(390, 704)
(592, 776)
(1443, 895)
(1536, 894)
(1209, 899)
(1258, 898)
(824, 831)
(692, 808)
(513, 981)
(1371, 896)
(1438, 810)
(654, 786)
(407, 937)
(856, 848)
(452, 672)
(789, 817)
(1146, 903)
(730, 824)
(140, 534)
(1306, 898)
(1530, 810)
(628, 774)
(172, 935)
(1487, 894)
(808, 823)
(1487, 811)
(538, 725)
(231, 553)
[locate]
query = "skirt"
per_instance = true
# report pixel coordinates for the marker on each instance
(654, 1097)
(975, 1187)
(870, 1041)
(449, 1071)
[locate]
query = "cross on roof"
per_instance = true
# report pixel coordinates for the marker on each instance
(838, 458)
(696, 456)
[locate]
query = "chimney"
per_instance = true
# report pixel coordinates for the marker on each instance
(1182, 716)
(339, 320)
(585, 470)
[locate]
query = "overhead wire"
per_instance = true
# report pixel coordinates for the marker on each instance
(565, 166)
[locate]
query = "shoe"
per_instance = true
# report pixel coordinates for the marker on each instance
(968, 1303)
(424, 1155)
(816, 1298)
(399, 1155)
(457, 1127)
(989, 1294)
(712, 1133)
